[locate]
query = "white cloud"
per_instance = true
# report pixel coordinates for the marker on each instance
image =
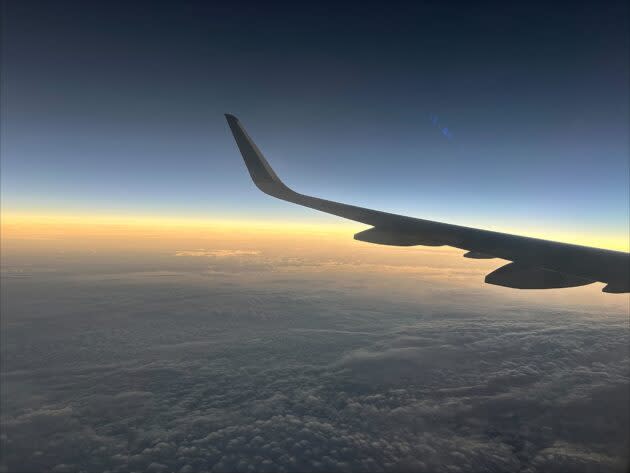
(196, 374)
(217, 253)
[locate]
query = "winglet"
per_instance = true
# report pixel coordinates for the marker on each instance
(259, 169)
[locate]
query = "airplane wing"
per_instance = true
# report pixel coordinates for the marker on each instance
(534, 263)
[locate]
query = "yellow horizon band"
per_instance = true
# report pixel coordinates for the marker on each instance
(23, 225)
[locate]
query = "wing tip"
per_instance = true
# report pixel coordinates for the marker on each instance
(259, 169)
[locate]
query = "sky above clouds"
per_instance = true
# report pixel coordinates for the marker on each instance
(116, 108)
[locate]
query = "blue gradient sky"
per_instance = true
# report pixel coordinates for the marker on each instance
(117, 108)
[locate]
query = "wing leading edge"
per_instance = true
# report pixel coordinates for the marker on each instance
(535, 263)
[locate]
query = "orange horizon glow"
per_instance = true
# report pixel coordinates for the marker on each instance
(39, 226)
(295, 249)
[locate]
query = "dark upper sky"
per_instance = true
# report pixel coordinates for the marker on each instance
(116, 107)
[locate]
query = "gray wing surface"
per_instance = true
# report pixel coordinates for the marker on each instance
(534, 263)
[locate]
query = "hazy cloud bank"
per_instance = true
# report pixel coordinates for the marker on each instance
(218, 372)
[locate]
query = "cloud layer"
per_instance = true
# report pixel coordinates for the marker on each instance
(244, 368)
